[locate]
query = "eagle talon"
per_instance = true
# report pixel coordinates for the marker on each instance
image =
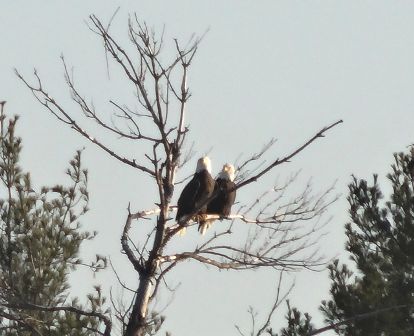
(201, 218)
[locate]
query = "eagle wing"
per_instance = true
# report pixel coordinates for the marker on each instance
(229, 198)
(188, 197)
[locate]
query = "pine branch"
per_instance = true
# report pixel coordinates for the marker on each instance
(80, 312)
(354, 318)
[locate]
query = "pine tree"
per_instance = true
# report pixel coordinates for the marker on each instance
(378, 299)
(40, 237)
(298, 324)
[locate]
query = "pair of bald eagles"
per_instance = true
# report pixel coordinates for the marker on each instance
(193, 198)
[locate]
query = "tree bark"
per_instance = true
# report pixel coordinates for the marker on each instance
(137, 321)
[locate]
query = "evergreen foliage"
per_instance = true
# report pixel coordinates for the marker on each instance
(378, 299)
(40, 237)
(298, 324)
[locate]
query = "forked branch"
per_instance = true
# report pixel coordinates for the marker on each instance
(60, 113)
(287, 158)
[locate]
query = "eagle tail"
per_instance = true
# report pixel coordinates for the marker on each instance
(204, 226)
(182, 231)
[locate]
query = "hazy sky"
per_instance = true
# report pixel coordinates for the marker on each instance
(265, 69)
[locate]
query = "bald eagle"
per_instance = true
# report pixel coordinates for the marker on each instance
(196, 191)
(225, 197)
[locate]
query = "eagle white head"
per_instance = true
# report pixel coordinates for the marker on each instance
(203, 163)
(227, 173)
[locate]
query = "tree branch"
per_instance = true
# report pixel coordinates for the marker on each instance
(319, 134)
(354, 318)
(51, 104)
(30, 306)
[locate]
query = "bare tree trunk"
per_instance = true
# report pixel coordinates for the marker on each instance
(137, 321)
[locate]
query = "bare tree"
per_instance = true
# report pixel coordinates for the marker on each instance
(274, 238)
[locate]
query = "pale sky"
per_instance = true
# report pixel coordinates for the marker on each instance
(265, 69)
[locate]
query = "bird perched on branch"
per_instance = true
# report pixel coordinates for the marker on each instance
(225, 195)
(197, 191)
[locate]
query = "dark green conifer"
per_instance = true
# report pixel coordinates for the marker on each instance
(40, 237)
(378, 297)
(298, 324)
(374, 295)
